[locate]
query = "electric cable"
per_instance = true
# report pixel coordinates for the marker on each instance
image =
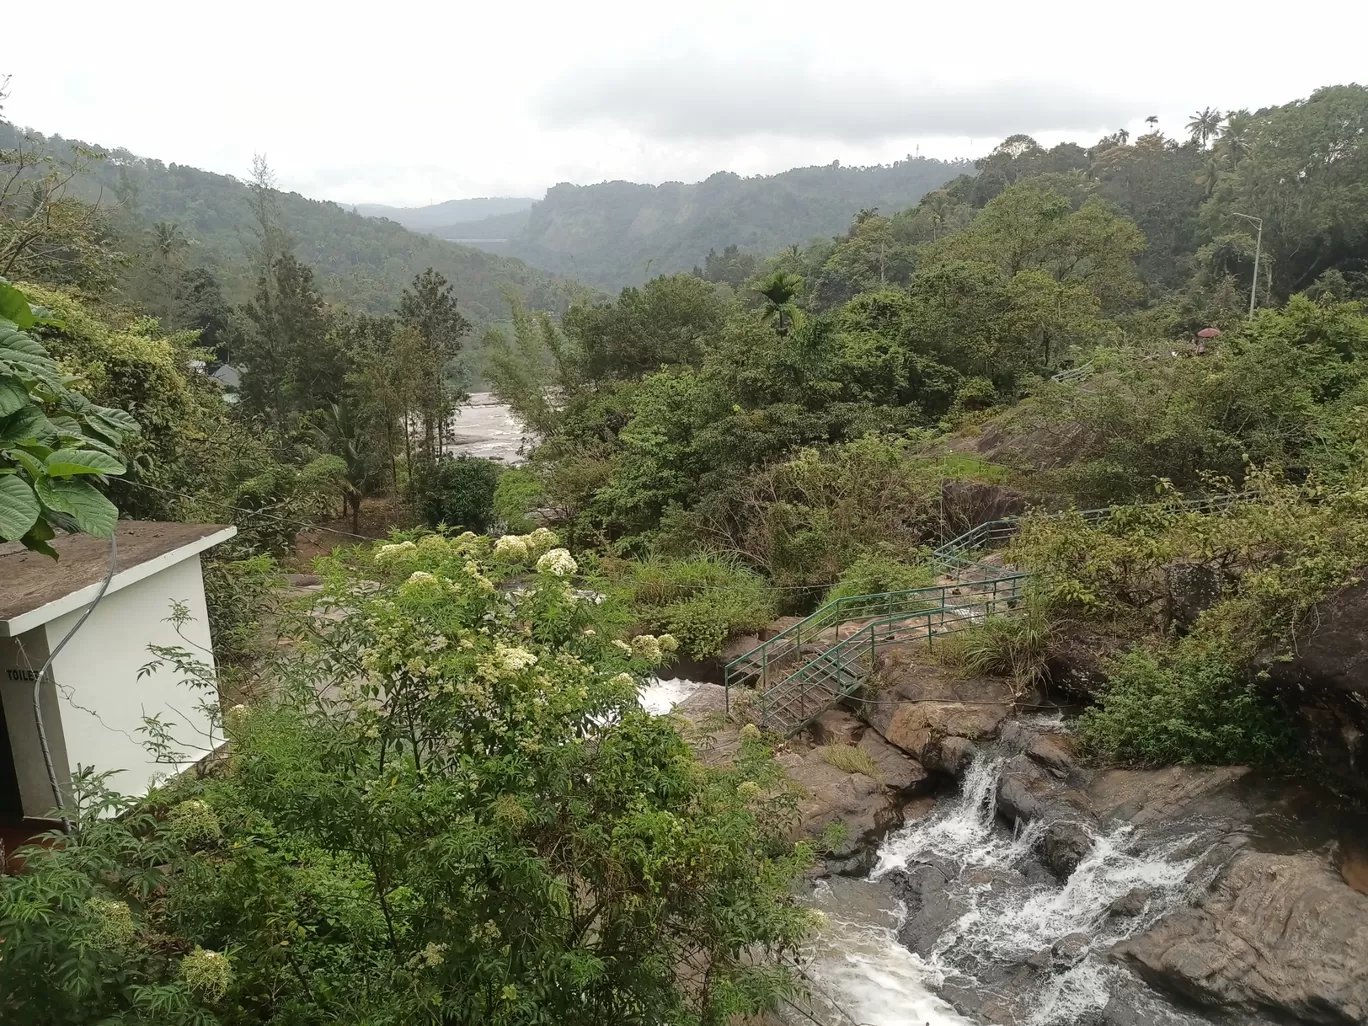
(49, 765)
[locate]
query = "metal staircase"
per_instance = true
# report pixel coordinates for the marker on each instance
(786, 682)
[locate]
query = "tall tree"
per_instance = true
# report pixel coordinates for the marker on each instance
(428, 306)
(1204, 125)
(292, 364)
(780, 292)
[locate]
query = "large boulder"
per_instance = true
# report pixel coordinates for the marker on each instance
(1275, 934)
(931, 714)
(1324, 687)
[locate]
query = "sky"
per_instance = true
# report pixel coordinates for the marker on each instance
(417, 101)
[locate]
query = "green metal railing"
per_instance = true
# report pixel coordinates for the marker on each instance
(795, 673)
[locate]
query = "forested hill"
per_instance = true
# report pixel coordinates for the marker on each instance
(363, 262)
(620, 233)
(439, 216)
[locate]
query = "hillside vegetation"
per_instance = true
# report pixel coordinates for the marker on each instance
(361, 261)
(620, 233)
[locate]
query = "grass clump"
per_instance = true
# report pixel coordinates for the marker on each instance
(702, 600)
(1015, 646)
(849, 759)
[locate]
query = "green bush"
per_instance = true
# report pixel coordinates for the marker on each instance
(1188, 708)
(1003, 646)
(518, 493)
(459, 492)
(876, 571)
(703, 600)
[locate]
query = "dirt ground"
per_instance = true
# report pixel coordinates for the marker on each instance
(378, 517)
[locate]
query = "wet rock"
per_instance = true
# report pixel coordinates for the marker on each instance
(1042, 959)
(861, 805)
(1130, 904)
(1069, 950)
(837, 727)
(1275, 934)
(932, 715)
(1325, 686)
(898, 771)
(1023, 790)
(1063, 845)
(925, 891)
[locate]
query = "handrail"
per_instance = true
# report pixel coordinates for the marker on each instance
(951, 557)
(1081, 371)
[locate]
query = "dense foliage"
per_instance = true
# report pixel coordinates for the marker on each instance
(450, 811)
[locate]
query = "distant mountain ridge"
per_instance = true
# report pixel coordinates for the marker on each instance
(616, 234)
(362, 262)
(451, 212)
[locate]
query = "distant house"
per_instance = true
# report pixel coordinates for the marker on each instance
(93, 701)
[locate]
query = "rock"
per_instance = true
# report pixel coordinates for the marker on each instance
(1192, 588)
(1063, 845)
(837, 727)
(924, 890)
(1279, 935)
(922, 708)
(1130, 904)
(898, 771)
(1055, 752)
(1077, 665)
(862, 805)
(1324, 687)
(1069, 950)
(1022, 790)
(1042, 959)
(966, 504)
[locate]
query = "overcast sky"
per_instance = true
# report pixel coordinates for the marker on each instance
(415, 101)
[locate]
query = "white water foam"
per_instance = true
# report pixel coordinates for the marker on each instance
(659, 697)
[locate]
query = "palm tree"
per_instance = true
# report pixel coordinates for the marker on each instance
(1215, 170)
(1234, 140)
(1204, 125)
(341, 434)
(1122, 136)
(1153, 122)
(168, 240)
(780, 290)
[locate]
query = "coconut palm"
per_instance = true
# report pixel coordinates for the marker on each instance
(1204, 125)
(1215, 170)
(780, 290)
(168, 240)
(1234, 141)
(1122, 136)
(1153, 122)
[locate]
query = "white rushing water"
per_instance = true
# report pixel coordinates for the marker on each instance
(873, 978)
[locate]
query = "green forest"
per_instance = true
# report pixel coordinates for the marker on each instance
(440, 801)
(616, 234)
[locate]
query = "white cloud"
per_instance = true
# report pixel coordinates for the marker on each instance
(422, 100)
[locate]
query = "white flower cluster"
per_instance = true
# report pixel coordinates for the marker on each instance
(622, 680)
(113, 922)
(514, 659)
(386, 553)
(208, 973)
(558, 562)
(194, 820)
(541, 539)
(511, 547)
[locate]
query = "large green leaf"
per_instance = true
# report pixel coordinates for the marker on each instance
(69, 462)
(38, 537)
(13, 396)
(93, 513)
(18, 507)
(111, 424)
(14, 307)
(24, 425)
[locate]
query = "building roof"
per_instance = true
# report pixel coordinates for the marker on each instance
(37, 590)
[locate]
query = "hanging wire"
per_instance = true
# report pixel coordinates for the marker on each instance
(58, 800)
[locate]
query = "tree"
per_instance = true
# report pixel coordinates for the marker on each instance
(428, 306)
(779, 291)
(1204, 125)
(1153, 122)
(452, 811)
(168, 241)
(1235, 136)
(339, 432)
(55, 444)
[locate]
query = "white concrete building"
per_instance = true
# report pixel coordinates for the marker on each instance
(93, 701)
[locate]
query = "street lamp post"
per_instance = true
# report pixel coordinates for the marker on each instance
(1258, 243)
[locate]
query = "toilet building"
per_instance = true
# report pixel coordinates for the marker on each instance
(94, 700)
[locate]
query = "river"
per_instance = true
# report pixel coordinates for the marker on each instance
(487, 428)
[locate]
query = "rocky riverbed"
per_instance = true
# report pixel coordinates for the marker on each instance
(988, 874)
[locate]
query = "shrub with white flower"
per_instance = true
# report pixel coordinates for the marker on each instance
(668, 643)
(207, 973)
(511, 548)
(541, 539)
(194, 820)
(514, 659)
(647, 646)
(393, 551)
(558, 562)
(113, 922)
